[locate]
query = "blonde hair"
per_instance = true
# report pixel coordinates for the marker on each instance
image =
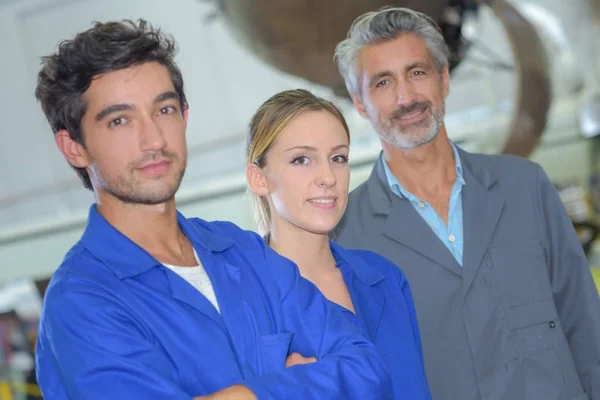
(266, 125)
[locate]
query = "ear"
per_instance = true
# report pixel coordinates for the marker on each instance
(257, 180)
(446, 81)
(185, 114)
(359, 105)
(74, 152)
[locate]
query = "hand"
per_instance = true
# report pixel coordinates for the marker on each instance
(298, 359)
(235, 392)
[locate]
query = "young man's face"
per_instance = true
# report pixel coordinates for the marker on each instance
(134, 135)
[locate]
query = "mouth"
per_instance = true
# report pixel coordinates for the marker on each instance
(323, 202)
(155, 168)
(414, 113)
(412, 117)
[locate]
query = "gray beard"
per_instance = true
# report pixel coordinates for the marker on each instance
(407, 138)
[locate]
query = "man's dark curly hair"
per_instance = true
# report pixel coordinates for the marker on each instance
(106, 47)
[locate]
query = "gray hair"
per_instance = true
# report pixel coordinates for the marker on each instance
(383, 25)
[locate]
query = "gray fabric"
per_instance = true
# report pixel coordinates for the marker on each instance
(521, 319)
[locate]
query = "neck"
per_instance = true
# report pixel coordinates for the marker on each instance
(428, 166)
(310, 251)
(152, 227)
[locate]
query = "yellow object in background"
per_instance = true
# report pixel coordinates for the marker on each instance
(596, 275)
(5, 391)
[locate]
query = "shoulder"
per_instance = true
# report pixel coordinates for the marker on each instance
(229, 230)
(358, 193)
(79, 265)
(503, 165)
(82, 281)
(379, 263)
(357, 210)
(250, 251)
(220, 227)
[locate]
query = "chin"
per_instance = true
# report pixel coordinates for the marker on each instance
(320, 227)
(148, 197)
(320, 231)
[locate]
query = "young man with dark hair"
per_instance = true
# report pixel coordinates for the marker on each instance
(150, 304)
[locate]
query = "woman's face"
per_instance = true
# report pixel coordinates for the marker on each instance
(307, 173)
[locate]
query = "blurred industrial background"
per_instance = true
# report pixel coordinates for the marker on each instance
(525, 80)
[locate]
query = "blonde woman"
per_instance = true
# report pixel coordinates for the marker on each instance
(297, 170)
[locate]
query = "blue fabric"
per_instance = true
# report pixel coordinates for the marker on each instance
(116, 324)
(451, 235)
(384, 305)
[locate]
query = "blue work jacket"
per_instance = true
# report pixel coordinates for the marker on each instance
(117, 324)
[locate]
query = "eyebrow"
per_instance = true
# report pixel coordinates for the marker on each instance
(378, 76)
(340, 146)
(383, 74)
(126, 106)
(418, 64)
(170, 95)
(310, 148)
(112, 109)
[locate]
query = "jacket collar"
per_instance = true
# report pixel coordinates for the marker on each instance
(126, 258)
(381, 197)
(363, 271)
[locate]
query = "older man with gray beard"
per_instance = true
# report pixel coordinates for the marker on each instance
(505, 299)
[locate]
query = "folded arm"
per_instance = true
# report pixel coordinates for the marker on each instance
(348, 366)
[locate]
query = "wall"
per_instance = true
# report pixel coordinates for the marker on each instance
(42, 205)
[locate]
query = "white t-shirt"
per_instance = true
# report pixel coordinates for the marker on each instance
(198, 278)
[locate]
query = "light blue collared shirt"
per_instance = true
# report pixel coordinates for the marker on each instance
(452, 235)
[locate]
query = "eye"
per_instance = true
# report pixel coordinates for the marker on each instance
(167, 110)
(381, 83)
(340, 159)
(300, 160)
(117, 122)
(418, 73)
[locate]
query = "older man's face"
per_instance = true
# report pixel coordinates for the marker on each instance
(401, 91)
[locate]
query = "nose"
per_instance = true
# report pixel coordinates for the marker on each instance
(152, 136)
(405, 93)
(326, 176)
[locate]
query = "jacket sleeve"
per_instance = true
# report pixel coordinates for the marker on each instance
(348, 366)
(575, 294)
(410, 304)
(88, 348)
